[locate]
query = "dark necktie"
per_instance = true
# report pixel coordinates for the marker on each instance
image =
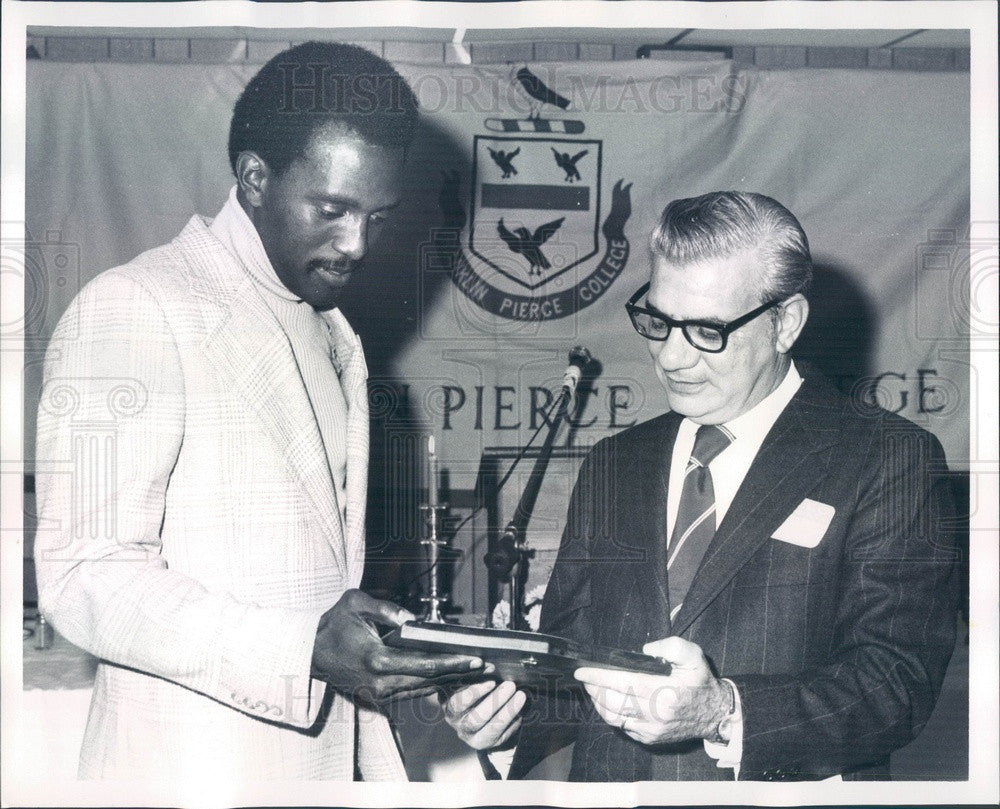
(695, 523)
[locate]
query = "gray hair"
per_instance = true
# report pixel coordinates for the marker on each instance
(723, 223)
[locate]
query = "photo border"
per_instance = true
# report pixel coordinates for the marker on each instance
(979, 17)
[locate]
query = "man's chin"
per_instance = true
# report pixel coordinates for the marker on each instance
(690, 406)
(323, 299)
(326, 287)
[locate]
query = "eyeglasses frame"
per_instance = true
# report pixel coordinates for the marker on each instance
(724, 329)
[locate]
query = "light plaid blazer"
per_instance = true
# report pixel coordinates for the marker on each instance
(188, 532)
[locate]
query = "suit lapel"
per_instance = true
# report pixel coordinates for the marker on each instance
(642, 519)
(354, 380)
(249, 347)
(786, 469)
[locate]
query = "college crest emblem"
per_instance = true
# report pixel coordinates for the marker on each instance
(526, 196)
(543, 238)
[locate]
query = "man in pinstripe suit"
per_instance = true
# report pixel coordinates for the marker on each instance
(776, 542)
(213, 401)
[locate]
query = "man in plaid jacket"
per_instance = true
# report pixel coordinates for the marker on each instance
(213, 400)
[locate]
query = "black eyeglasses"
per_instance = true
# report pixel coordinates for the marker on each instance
(705, 336)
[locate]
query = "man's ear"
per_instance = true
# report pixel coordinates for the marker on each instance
(792, 317)
(252, 175)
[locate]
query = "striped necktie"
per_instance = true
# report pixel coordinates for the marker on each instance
(695, 523)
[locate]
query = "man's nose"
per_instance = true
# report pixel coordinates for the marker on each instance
(351, 240)
(676, 352)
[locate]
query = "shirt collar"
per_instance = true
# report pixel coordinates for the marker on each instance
(759, 419)
(234, 229)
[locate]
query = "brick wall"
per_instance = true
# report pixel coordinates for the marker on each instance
(204, 50)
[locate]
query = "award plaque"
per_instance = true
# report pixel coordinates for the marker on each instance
(529, 659)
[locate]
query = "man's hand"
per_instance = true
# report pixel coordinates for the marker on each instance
(485, 715)
(689, 704)
(349, 654)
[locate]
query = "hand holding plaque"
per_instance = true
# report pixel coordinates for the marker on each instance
(349, 655)
(487, 714)
(691, 703)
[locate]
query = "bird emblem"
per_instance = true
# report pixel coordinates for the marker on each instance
(539, 91)
(568, 164)
(528, 244)
(504, 160)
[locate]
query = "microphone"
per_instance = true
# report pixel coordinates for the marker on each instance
(579, 359)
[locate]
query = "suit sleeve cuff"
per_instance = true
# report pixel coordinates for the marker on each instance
(303, 709)
(730, 754)
(270, 664)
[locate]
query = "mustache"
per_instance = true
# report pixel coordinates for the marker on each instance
(340, 265)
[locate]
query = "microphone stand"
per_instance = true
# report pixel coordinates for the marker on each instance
(510, 551)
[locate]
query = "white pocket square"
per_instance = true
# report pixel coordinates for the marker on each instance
(806, 525)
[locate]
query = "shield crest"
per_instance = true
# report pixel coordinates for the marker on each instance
(536, 205)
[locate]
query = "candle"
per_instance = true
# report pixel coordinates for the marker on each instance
(432, 474)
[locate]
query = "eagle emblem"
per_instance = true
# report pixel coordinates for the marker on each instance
(504, 160)
(529, 245)
(568, 164)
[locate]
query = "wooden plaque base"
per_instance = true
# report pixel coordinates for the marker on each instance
(528, 658)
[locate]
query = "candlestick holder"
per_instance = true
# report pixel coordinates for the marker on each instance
(434, 544)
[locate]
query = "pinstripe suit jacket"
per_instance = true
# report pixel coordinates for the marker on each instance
(189, 536)
(838, 650)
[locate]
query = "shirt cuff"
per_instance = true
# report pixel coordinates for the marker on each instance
(730, 754)
(500, 760)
